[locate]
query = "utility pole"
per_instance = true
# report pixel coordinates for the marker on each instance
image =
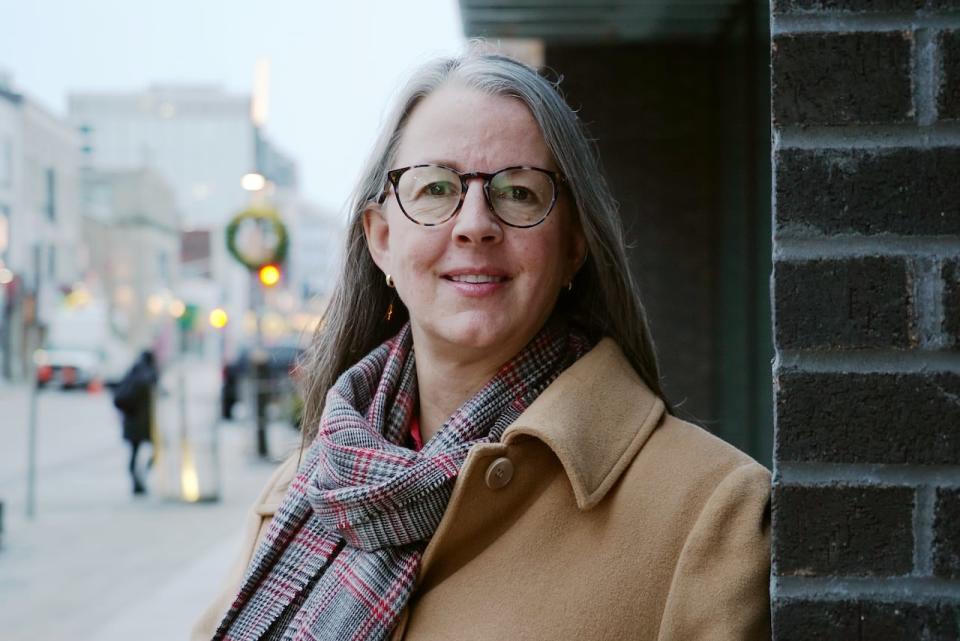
(33, 344)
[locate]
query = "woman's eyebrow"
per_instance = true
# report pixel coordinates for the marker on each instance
(446, 162)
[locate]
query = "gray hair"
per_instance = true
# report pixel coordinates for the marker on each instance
(604, 301)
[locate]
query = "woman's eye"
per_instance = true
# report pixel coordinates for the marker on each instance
(438, 189)
(516, 193)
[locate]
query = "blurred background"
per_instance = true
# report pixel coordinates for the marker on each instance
(173, 179)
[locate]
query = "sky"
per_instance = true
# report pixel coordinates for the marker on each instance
(334, 65)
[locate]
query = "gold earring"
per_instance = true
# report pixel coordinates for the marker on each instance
(390, 311)
(390, 282)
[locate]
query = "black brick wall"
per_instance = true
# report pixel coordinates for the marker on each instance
(951, 301)
(868, 417)
(856, 531)
(900, 190)
(949, 89)
(839, 78)
(946, 533)
(867, 620)
(863, 302)
(866, 289)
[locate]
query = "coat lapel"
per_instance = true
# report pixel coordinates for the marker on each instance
(583, 418)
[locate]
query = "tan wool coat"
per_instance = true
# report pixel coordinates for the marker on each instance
(617, 521)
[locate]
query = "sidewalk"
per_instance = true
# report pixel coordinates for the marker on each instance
(97, 564)
(169, 611)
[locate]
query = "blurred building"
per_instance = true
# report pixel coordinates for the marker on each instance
(315, 253)
(40, 224)
(201, 140)
(132, 230)
(10, 167)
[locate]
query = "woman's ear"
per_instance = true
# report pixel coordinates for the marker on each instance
(578, 251)
(377, 232)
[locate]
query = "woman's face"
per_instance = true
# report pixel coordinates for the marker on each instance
(472, 131)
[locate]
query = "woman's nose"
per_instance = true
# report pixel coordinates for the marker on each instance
(475, 223)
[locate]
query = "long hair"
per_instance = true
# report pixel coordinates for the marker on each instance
(604, 301)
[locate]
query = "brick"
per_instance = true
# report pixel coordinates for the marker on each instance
(892, 418)
(841, 78)
(842, 530)
(852, 303)
(853, 620)
(900, 190)
(951, 301)
(790, 6)
(946, 533)
(948, 96)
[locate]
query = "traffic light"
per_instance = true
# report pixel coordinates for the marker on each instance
(269, 275)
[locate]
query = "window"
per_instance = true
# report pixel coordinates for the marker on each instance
(50, 201)
(4, 230)
(6, 162)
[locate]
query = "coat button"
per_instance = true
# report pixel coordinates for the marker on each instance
(499, 473)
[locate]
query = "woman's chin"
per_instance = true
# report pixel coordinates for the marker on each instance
(478, 333)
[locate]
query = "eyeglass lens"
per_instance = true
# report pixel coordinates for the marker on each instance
(431, 194)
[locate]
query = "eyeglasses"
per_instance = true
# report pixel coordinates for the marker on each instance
(433, 194)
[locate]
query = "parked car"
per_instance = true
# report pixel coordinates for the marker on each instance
(80, 347)
(68, 368)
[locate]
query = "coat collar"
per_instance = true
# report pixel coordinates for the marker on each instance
(595, 417)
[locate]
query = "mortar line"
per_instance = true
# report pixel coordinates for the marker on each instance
(926, 310)
(913, 475)
(869, 361)
(838, 22)
(923, 77)
(867, 136)
(923, 531)
(791, 245)
(882, 589)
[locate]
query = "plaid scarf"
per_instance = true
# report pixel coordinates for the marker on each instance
(340, 558)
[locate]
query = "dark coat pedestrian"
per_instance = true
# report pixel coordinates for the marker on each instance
(134, 398)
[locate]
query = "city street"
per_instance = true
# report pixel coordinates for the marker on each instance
(96, 563)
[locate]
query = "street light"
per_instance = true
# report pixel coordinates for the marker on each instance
(177, 308)
(269, 275)
(253, 181)
(218, 318)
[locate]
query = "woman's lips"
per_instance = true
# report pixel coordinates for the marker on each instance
(477, 285)
(475, 278)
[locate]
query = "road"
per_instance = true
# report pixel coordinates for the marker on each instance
(96, 563)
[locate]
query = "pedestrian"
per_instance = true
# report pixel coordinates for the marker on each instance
(488, 452)
(134, 397)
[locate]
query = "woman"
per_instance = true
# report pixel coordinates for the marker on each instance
(490, 456)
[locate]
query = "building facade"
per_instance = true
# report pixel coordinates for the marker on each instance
(40, 216)
(131, 228)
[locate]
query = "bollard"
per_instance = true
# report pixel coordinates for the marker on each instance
(261, 375)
